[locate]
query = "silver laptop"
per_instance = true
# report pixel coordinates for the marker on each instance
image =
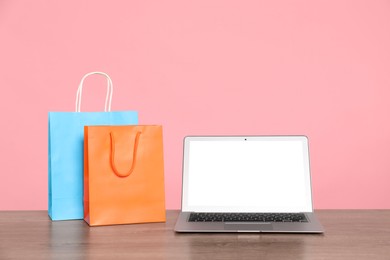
(247, 184)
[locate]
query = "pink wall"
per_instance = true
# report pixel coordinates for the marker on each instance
(319, 68)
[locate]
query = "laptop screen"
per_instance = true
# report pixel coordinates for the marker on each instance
(246, 174)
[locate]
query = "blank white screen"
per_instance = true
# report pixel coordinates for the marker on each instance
(256, 175)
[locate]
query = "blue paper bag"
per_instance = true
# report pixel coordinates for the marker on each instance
(66, 148)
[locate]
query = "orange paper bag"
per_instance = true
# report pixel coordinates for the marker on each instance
(123, 175)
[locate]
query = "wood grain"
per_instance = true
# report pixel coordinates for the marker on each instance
(349, 234)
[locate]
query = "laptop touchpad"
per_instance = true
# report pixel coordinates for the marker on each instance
(248, 226)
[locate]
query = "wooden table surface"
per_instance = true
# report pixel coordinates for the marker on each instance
(349, 234)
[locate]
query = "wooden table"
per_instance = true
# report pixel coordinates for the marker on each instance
(349, 234)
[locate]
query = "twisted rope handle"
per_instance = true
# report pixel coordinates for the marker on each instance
(107, 105)
(112, 159)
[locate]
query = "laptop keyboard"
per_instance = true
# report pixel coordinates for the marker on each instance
(247, 217)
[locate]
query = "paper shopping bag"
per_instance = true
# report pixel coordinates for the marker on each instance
(66, 147)
(123, 175)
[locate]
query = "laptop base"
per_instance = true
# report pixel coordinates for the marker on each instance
(312, 226)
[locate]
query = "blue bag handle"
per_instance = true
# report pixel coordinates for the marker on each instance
(107, 105)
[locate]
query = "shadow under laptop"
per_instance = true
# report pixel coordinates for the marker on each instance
(244, 246)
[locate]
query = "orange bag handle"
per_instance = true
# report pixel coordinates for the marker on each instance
(117, 173)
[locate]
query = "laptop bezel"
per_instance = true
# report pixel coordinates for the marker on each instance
(187, 139)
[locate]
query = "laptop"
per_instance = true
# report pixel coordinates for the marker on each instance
(247, 184)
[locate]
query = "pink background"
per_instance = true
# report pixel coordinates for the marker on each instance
(319, 68)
